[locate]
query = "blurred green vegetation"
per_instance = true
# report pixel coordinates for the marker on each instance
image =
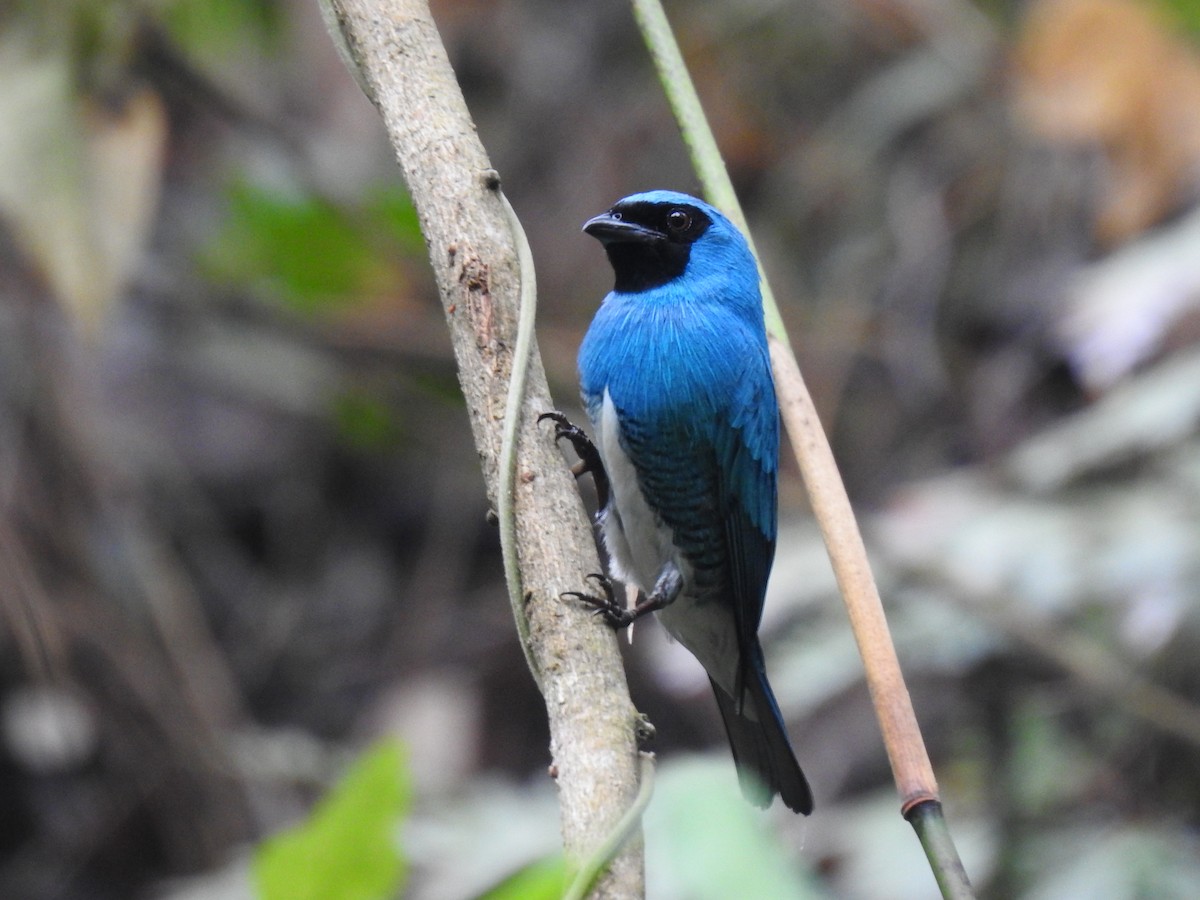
(1186, 12)
(223, 26)
(545, 879)
(310, 253)
(349, 848)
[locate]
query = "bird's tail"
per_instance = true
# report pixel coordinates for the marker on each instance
(764, 759)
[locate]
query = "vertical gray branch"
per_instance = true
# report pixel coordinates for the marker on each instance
(404, 68)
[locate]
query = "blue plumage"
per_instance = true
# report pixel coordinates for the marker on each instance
(676, 379)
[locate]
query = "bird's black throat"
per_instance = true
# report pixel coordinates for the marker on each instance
(643, 266)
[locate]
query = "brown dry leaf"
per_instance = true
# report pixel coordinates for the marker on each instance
(125, 155)
(79, 180)
(1109, 73)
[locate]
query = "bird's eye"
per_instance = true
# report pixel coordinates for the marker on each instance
(678, 220)
(615, 216)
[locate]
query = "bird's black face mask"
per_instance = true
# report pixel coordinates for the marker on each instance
(648, 244)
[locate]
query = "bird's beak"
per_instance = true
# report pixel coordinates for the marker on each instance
(610, 230)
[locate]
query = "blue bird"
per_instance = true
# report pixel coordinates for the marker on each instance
(676, 379)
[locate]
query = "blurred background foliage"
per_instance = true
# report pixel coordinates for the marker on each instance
(242, 531)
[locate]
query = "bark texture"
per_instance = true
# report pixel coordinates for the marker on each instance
(593, 723)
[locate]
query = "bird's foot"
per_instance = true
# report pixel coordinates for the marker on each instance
(589, 456)
(666, 589)
(606, 606)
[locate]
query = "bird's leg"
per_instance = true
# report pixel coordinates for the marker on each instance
(666, 589)
(589, 456)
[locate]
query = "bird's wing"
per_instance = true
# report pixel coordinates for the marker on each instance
(708, 467)
(746, 443)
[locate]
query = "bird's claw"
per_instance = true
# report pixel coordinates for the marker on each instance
(589, 456)
(607, 607)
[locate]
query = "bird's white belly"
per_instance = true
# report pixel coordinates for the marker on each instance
(640, 545)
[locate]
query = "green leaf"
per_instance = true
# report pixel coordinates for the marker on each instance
(348, 849)
(313, 255)
(222, 26)
(300, 249)
(1185, 13)
(704, 842)
(544, 879)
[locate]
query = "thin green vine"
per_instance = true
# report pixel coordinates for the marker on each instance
(505, 492)
(702, 146)
(593, 867)
(906, 748)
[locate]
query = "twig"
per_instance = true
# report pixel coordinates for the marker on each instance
(929, 823)
(395, 46)
(702, 146)
(911, 768)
